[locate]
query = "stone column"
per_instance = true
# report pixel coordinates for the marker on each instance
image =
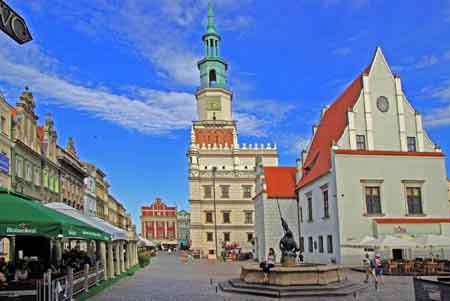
(136, 257)
(127, 258)
(52, 251)
(133, 259)
(90, 247)
(121, 257)
(12, 248)
(103, 259)
(58, 251)
(117, 263)
(131, 254)
(110, 261)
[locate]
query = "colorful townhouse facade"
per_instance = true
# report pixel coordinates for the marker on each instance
(159, 223)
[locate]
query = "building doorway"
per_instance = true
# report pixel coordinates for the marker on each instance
(397, 254)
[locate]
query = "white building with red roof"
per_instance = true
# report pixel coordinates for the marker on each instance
(370, 170)
(275, 197)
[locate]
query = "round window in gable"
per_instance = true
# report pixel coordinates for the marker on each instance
(383, 104)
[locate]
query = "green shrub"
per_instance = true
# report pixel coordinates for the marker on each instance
(144, 259)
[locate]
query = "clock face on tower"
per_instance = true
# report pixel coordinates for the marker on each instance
(213, 104)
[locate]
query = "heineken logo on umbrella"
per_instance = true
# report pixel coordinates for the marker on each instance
(23, 226)
(21, 229)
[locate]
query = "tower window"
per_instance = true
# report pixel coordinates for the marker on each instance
(212, 76)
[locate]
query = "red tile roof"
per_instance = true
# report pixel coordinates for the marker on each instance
(13, 112)
(388, 153)
(331, 127)
(411, 220)
(280, 182)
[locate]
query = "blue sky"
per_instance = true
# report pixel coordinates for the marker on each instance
(119, 75)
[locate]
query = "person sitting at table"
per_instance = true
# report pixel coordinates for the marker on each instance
(21, 272)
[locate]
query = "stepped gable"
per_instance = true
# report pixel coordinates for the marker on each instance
(280, 182)
(331, 127)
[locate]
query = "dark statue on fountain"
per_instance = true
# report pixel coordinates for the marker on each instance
(288, 246)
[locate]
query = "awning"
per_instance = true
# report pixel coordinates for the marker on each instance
(116, 233)
(146, 242)
(431, 240)
(390, 241)
(113, 231)
(21, 216)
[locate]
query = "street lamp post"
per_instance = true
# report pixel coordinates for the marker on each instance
(215, 211)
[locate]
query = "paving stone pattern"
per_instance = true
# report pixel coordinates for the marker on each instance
(167, 278)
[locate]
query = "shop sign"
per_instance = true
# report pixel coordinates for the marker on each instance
(4, 164)
(13, 25)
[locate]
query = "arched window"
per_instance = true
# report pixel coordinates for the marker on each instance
(212, 76)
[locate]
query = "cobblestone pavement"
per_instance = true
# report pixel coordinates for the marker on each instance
(167, 278)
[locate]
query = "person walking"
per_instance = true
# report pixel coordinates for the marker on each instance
(367, 267)
(377, 269)
(189, 258)
(268, 264)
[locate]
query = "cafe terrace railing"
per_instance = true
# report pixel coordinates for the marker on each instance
(66, 287)
(432, 288)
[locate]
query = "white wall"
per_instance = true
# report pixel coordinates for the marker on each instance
(268, 224)
(320, 226)
(390, 172)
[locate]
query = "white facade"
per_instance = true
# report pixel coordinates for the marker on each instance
(385, 172)
(237, 203)
(90, 198)
(275, 198)
(268, 229)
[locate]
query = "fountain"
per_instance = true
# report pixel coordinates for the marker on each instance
(292, 279)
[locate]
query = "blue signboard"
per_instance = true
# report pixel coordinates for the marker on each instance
(4, 164)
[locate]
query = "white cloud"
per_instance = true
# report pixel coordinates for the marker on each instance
(293, 144)
(145, 110)
(165, 32)
(439, 116)
(447, 55)
(154, 113)
(426, 61)
(343, 51)
(356, 4)
(271, 110)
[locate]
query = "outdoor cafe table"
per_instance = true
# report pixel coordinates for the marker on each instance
(430, 267)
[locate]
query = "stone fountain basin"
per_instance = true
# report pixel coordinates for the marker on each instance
(304, 274)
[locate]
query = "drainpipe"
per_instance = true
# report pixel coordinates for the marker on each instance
(298, 220)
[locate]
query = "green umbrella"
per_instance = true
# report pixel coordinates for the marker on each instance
(21, 216)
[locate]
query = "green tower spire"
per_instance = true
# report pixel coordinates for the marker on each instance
(213, 69)
(211, 28)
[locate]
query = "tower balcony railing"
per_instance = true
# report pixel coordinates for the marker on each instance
(214, 85)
